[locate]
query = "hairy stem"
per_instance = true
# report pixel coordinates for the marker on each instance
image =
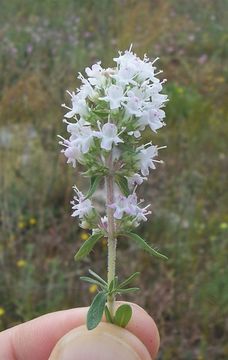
(109, 182)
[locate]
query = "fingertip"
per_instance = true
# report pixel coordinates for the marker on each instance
(143, 326)
(106, 341)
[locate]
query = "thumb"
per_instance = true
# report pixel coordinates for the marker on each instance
(107, 341)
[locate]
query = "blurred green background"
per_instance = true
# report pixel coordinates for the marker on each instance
(43, 44)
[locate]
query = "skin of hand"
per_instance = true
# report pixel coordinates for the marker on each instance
(36, 339)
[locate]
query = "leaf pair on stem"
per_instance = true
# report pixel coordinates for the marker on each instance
(98, 306)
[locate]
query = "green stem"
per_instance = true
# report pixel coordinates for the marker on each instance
(109, 182)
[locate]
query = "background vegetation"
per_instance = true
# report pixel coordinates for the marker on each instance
(43, 44)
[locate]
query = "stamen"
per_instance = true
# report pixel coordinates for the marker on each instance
(157, 58)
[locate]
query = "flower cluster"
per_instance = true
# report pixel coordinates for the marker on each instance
(129, 206)
(110, 112)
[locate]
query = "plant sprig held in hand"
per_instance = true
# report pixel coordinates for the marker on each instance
(110, 112)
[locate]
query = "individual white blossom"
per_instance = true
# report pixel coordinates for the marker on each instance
(135, 101)
(108, 135)
(152, 117)
(120, 206)
(79, 142)
(115, 96)
(135, 179)
(82, 207)
(79, 105)
(73, 154)
(83, 138)
(94, 74)
(146, 158)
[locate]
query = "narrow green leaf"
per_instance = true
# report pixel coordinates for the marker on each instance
(108, 315)
(125, 291)
(123, 184)
(87, 246)
(123, 315)
(97, 277)
(115, 282)
(94, 182)
(111, 286)
(96, 310)
(92, 281)
(143, 245)
(129, 279)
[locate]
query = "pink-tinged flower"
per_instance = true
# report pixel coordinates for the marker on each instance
(82, 207)
(146, 158)
(108, 135)
(129, 206)
(135, 101)
(115, 96)
(120, 206)
(135, 179)
(81, 135)
(73, 154)
(72, 151)
(152, 117)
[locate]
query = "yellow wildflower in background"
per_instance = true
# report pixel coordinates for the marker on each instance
(200, 357)
(32, 221)
(2, 311)
(21, 225)
(21, 263)
(92, 289)
(84, 235)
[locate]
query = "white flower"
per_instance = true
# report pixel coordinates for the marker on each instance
(134, 209)
(79, 106)
(87, 91)
(73, 154)
(81, 135)
(129, 206)
(83, 207)
(141, 214)
(85, 139)
(120, 206)
(115, 96)
(146, 70)
(72, 151)
(152, 117)
(135, 101)
(73, 128)
(127, 60)
(146, 158)
(143, 69)
(126, 74)
(95, 74)
(135, 179)
(158, 100)
(109, 136)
